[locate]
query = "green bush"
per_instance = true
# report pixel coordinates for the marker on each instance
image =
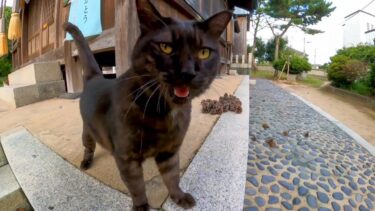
(298, 64)
(371, 78)
(6, 61)
(5, 65)
(336, 72)
(349, 69)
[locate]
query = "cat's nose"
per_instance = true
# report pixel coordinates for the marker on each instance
(188, 71)
(188, 75)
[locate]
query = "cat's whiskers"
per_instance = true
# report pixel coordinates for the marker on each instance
(149, 98)
(133, 77)
(158, 105)
(165, 99)
(138, 95)
(141, 87)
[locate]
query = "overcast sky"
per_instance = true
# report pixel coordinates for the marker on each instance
(327, 43)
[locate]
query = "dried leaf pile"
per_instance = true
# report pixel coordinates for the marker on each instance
(224, 104)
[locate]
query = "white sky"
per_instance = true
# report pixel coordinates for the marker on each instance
(325, 44)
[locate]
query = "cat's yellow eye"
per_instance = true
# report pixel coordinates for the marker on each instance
(204, 53)
(165, 48)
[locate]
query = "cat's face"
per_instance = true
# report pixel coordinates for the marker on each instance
(182, 56)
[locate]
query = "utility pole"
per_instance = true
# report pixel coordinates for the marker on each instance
(315, 56)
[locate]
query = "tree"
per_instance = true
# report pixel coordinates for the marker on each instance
(260, 50)
(6, 61)
(295, 13)
(258, 25)
(270, 48)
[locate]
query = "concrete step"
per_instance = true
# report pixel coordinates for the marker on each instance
(3, 160)
(51, 183)
(36, 73)
(24, 94)
(11, 194)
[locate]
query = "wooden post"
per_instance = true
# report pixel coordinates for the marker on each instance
(73, 70)
(127, 32)
(236, 59)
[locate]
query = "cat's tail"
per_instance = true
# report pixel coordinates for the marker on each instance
(89, 64)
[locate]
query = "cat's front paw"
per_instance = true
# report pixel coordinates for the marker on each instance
(186, 201)
(86, 164)
(143, 207)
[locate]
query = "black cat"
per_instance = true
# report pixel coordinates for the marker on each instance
(146, 112)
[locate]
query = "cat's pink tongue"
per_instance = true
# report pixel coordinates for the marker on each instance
(182, 91)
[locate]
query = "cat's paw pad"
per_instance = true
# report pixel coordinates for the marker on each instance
(86, 164)
(143, 207)
(186, 202)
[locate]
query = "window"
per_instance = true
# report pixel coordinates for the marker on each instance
(368, 26)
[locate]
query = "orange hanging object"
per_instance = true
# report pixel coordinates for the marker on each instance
(14, 30)
(3, 44)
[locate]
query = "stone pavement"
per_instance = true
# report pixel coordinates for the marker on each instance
(299, 160)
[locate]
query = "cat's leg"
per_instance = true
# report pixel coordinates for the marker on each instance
(89, 145)
(132, 174)
(169, 167)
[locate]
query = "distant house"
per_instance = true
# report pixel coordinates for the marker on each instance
(370, 36)
(359, 28)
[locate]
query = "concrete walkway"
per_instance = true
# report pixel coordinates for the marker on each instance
(51, 183)
(300, 160)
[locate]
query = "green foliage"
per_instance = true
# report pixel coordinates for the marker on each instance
(313, 81)
(300, 12)
(336, 72)
(297, 13)
(365, 53)
(6, 61)
(371, 78)
(298, 64)
(270, 48)
(262, 74)
(324, 66)
(260, 50)
(361, 87)
(349, 69)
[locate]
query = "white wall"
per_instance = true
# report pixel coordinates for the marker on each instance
(370, 37)
(355, 27)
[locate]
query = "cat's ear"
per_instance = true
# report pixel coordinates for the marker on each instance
(149, 18)
(217, 23)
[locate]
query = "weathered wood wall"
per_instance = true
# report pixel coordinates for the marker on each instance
(43, 36)
(240, 39)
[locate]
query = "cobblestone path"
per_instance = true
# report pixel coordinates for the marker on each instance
(299, 160)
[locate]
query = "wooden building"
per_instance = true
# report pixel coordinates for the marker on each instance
(240, 38)
(43, 38)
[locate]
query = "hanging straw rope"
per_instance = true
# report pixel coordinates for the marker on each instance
(14, 30)
(3, 37)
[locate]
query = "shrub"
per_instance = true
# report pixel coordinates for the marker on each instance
(371, 78)
(354, 70)
(336, 72)
(298, 64)
(5, 65)
(343, 71)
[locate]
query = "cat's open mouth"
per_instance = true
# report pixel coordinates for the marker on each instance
(181, 94)
(181, 91)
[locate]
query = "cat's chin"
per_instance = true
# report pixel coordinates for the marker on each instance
(180, 100)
